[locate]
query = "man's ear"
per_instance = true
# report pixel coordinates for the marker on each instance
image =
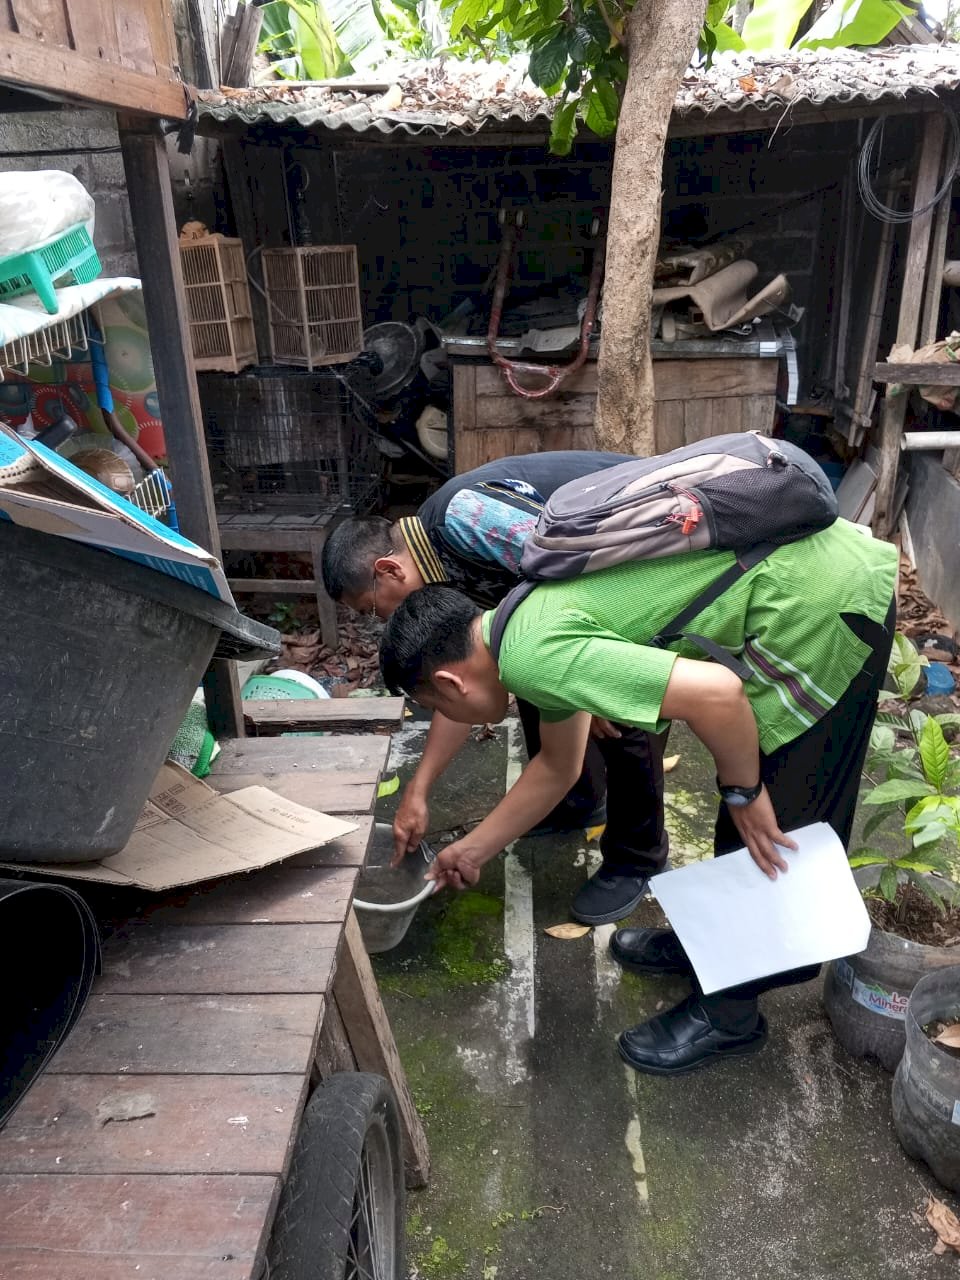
(389, 567)
(449, 682)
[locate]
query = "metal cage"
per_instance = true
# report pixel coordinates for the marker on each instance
(285, 439)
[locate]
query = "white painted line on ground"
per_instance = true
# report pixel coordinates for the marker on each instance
(632, 1141)
(518, 938)
(606, 969)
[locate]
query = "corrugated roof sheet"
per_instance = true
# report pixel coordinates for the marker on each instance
(435, 99)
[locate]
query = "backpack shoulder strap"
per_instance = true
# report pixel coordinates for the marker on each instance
(674, 629)
(504, 612)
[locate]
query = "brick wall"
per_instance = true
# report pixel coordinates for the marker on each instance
(73, 141)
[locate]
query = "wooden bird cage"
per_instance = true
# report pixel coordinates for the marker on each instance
(218, 303)
(313, 302)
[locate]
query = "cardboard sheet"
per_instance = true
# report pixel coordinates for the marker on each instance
(43, 491)
(188, 832)
(737, 925)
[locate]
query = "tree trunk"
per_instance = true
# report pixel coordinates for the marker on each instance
(661, 39)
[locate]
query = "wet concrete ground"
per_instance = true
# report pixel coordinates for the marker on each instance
(554, 1161)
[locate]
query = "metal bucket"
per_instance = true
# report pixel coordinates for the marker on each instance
(388, 897)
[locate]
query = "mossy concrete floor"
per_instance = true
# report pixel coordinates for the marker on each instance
(554, 1161)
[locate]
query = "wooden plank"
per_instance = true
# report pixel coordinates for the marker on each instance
(711, 379)
(561, 410)
(894, 408)
(72, 76)
(147, 172)
(243, 537)
(758, 413)
(147, 1226)
(239, 189)
(705, 418)
(43, 20)
(273, 586)
(335, 715)
(92, 30)
(490, 381)
(333, 1051)
(326, 608)
(330, 793)
(464, 398)
(273, 895)
(668, 425)
(365, 756)
(914, 375)
(246, 959)
(256, 1035)
(863, 392)
(850, 214)
(371, 1038)
(933, 291)
(236, 68)
(101, 1124)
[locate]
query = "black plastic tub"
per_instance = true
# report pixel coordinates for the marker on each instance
(99, 659)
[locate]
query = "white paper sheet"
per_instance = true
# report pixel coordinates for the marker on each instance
(736, 924)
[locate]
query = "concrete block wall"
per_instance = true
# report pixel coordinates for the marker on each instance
(425, 219)
(83, 143)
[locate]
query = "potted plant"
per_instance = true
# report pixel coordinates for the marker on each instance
(912, 890)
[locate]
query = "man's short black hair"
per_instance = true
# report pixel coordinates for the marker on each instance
(349, 553)
(429, 630)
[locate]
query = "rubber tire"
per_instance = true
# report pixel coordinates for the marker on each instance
(312, 1228)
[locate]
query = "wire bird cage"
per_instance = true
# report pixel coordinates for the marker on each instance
(218, 303)
(313, 303)
(288, 440)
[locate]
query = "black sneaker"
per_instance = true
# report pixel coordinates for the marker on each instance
(608, 896)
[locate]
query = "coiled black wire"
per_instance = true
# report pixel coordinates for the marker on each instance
(872, 201)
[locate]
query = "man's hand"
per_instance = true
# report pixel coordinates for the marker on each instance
(601, 728)
(457, 867)
(410, 824)
(760, 831)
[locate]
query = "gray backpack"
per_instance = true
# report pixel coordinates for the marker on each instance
(741, 492)
(730, 492)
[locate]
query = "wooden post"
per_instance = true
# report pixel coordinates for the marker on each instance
(151, 205)
(371, 1040)
(237, 175)
(893, 410)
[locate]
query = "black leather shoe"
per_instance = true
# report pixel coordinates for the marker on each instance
(684, 1039)
(607, 897)
(649, 951)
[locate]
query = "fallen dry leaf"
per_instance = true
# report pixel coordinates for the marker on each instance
(945, 1224)
(670, 763)
(950, 1037)
(568, 930)
(748, 84)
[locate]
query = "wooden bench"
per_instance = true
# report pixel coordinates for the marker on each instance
(157, 1142)
(333, 715)
(281, 532)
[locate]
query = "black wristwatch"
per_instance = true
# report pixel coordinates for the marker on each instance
(738, 797)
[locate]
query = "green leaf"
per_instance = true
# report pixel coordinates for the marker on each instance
(905, 665)
(772, 24)
(928, 890)
(316, 42)
(466, 14)
(934, 752)
(882, 738)
(892, 721)
(727, 38)
(602, 107)
(868, 858)
(897, 789)
(548, 61)
(922, 866)
(564, 128)
(888, 882)
(948, 720)
(877, 820)
(854, 22)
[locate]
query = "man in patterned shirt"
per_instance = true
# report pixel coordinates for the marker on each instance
(813, 623)
(470, 534)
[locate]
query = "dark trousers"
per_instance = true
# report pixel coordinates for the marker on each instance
(627, 770)
(815, 778)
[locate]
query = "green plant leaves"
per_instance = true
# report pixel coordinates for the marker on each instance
(934, 752)
(855, 22)
(548, 60)
(563, 128)
(772, 24)
(467, 14)
(602, 107)
(905, 665)
(888, 882)
(868, 858)
(897, 789)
